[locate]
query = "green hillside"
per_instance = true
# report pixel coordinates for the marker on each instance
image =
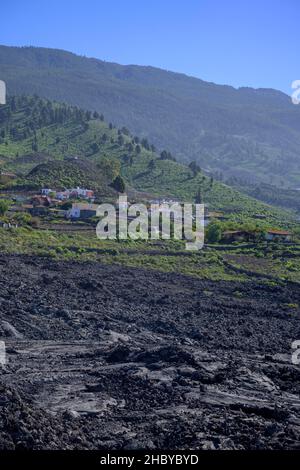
(244, 133)
(281, 197)
(47, 143)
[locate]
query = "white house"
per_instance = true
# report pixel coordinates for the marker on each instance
(47, 191)
(82, 211)
(66, 194)
(82, 192)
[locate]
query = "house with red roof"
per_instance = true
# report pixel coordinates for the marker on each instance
(278, 236)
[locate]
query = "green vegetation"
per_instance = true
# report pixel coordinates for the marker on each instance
(53, 144)
(214, 232)
(280, 262)
(4, 206)
(130, 253)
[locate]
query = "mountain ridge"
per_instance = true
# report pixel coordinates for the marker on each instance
(263, 90)
(247, 133)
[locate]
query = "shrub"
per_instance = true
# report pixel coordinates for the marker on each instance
(4, 206)
(214, 233)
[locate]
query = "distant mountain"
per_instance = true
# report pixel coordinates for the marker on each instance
(243, 133)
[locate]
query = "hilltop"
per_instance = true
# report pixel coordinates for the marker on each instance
(249, 134)
(72, 173)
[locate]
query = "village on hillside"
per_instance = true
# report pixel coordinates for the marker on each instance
(79, 204)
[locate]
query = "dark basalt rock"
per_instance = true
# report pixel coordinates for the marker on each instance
(107, 357)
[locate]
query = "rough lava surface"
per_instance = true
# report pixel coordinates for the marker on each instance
(109, 357)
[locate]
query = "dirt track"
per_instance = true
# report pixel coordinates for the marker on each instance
(110, 357)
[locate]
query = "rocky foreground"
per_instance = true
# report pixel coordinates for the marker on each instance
(107, 357)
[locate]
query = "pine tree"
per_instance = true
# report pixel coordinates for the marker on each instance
(118, 184)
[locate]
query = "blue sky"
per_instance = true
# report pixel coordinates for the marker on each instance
(236, 42)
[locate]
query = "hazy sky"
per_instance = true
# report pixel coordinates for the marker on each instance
(236, 42)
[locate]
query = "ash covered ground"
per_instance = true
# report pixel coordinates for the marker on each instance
(108, 357)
